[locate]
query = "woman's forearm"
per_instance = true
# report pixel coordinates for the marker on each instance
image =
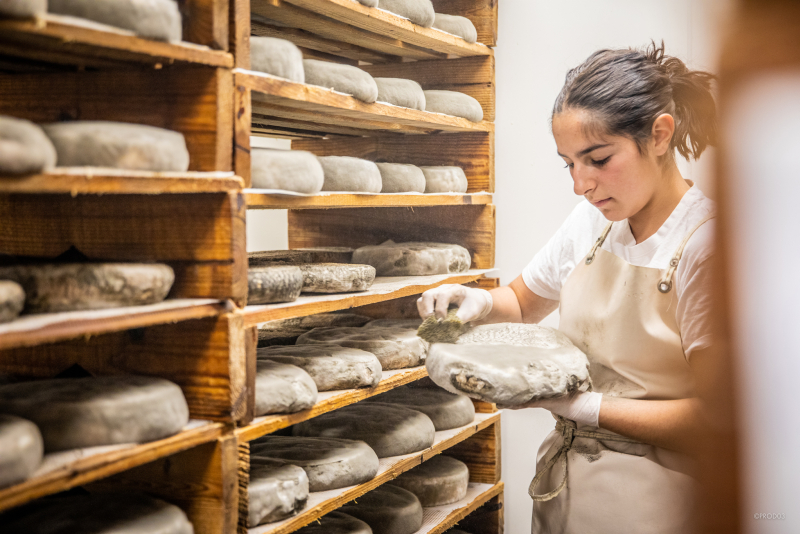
(505, 307)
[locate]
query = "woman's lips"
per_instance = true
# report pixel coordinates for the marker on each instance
(600, 203)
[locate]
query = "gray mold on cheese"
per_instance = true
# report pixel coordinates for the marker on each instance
(153, 19)
(396, 348)
(90, 286)
(272, 257)
(412, 324)
(453, 103)
(390, 430)
(288, 170)
(276, 491)
(445, 409)
(273, 337)
(112, 513)
(343, 173)
(401, 92)
(283, 388)
(332, 367)
(401, 178)
(456, 25)
(328, 254)
(414, 258)
(24, 147)
(445, 179)
(330, 463)
(74, 413)
(368, 3)
(417, 11)
(277, 57)
(336, 277)
(286, 331)
(279, 283)
(337, 522)
(21, 449)
(388, 510)
(118, 145)
(342, 78)
(12, 300)
(436, 482)
(509, 364)
(23, 9)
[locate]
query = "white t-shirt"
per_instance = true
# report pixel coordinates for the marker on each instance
(546, 274)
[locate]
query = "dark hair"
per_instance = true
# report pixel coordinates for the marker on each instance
(626, 90)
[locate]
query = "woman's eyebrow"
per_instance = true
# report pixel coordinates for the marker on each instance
(593, 147)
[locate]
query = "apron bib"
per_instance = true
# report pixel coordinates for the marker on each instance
(623, 317)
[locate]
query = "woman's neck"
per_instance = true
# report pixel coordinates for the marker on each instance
(650, 218)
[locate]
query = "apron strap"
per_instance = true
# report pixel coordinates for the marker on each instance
(665, 284)
(598, 244)
(569, 431)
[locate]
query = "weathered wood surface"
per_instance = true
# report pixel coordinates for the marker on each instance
(256, 200)
(440, 519)
(206, 22)
(482, 455)
(486, 518)
(482, 13)
(88, 180)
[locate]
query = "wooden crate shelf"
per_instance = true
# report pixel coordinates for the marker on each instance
(67, 469)
(383, 289)
(320, 503)
(439, 519)
(64, 40)
(256, 200)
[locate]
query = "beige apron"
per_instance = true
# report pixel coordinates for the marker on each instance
(590, 480)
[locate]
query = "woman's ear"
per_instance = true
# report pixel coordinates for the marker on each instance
(663, 129)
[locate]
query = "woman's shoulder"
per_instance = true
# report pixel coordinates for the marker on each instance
(702, 224)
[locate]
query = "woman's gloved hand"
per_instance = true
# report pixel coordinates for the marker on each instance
(473, 304)
(581, 407)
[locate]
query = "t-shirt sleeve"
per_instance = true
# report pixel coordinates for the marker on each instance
(694, 314)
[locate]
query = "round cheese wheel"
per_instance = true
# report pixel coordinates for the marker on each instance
(396, 348)
(283, 388)
(21, 449)
(417, 11)
(445, 179)
(280, 283)
(414, 259)
(330, 463)
(346, 79)
(276, 491)
(400, 92)
(401, 178)
(456, 25)
(389, 429)
(388, 510)
(336, 277)
(74, 413)
(152, 19)
(337, 522)
(445, 409)
(12, 300)
(344, 173)
(438, 481)
(332, 367)
(453, 103)
(278, 57)
(328, 254)
(24, 148)
(289, 170)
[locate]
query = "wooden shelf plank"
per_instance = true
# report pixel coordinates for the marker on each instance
(384, 288)
(322, 502)
(309, 104)
(38, 329)
(68, 469)
(438, 519)
(73, 41)
(258, 200)
(328, 401)
(96, 180)
(361, 21)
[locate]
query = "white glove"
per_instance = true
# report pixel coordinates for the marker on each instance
(581, 407)
(473, 303)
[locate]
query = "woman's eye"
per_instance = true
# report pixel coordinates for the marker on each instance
(600, 162)
(568, 165)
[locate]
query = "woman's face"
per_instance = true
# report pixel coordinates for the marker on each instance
(607, 170)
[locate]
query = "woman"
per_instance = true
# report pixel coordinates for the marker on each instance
(629, 271)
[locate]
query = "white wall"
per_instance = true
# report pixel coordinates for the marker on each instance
(538, 42)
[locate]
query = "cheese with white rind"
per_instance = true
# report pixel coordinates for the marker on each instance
(456, 25)
(152, 19)
(329, 463)
(445, 179)
(336, 277)
(453, 103)
(276, 491)
(436, 482)
(277, 57)
(332, 367)
(12, 300)
(343, 173)
(401, 178)
(417, 11)
(119, 145)
(24, 148)
(343, 78)
(21, 449)
(389, 429)
(445, 409)
(283, 388)
(26, 9)
(509, 364)
(279, 283)
(288, 170)
(388, 510)
(401, 92)
(414, 258)
(74, 413)
(395, 348)
(111, 513)
(90, 286)
(337, 522)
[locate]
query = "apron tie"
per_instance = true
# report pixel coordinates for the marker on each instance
(569, 431)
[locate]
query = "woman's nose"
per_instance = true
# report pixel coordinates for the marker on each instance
(582, 180)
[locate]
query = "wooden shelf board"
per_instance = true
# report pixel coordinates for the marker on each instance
(384, 288)
(362, 25)
(322, 502)
(96, 180)
(277, 97)
(74, 41)
(258, 200)
(38, 329)
(328, 401)
(67, 469)
(439, 519)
